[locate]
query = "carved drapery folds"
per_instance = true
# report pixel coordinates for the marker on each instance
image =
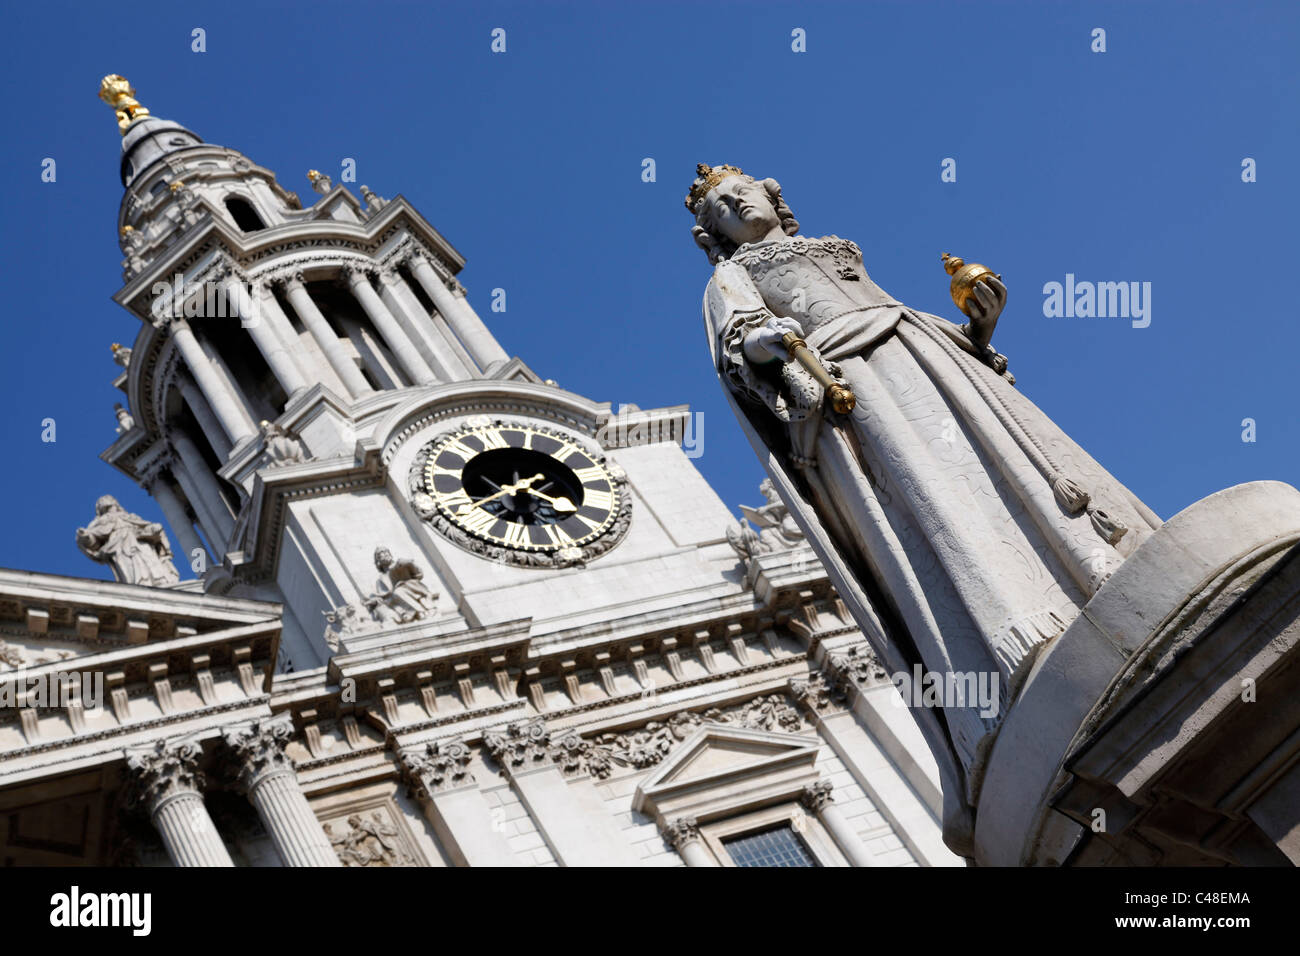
(137, 550)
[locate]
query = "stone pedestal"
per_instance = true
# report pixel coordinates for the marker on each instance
(1163, 726)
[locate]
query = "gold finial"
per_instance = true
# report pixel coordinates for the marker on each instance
(125, 229)
(118, 93)
(313, 175)
(708, 177)
(115, 346)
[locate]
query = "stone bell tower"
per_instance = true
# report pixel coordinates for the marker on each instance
(309, 385)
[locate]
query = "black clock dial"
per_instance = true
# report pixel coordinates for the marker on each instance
(521, 488)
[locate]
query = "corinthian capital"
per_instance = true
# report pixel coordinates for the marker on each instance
(162, 770)
(258, 747)
(436, 767)
(682, 831)
(520, 745)
(817, 796)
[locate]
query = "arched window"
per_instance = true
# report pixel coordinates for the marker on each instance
(245, 216)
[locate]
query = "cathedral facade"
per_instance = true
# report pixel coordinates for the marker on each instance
(414, 605)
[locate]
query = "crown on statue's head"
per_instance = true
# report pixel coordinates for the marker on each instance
(708, 177)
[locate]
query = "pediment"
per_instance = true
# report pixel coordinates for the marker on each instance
(719, 757)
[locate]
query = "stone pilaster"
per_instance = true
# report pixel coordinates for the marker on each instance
(552, 784)
(440, 780)
(266, 774)
(166, 781)
(853, 706)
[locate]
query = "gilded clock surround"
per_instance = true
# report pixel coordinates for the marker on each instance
(560, 532)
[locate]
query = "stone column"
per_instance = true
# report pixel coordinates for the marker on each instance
(684, 834)
(439, 778)
(166, 781)
(227, 407)
(433, 347)
(329, 343)
(831, 708)
(403, 349)
(266, 774)
(817, 800)
(456, 310)
(259, 324)
(174, 510)
(197, 404)
(205, 483)
(571, 816)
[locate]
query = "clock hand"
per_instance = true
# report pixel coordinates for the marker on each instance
(505, 490)
(559, 504)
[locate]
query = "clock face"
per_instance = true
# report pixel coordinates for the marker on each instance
(520, 488)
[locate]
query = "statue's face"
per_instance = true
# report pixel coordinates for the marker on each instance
(740, 209)
(383, 559)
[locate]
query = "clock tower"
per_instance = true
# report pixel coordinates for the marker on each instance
(514, 624)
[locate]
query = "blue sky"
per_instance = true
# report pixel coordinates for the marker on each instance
(1115, 166)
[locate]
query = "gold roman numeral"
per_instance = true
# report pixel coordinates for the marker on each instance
(604, 500)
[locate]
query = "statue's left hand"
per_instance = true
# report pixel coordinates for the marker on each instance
(985, 305)
(989, 299)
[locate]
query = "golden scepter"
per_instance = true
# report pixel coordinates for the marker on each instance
(841, 397)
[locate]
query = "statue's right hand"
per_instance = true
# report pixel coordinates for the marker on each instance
(765, 344)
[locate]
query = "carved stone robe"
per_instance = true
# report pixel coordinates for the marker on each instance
(959, 523)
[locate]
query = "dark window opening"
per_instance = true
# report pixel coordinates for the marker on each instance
(778, 846)
(245, 216)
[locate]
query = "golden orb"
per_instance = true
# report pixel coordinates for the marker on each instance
(964, 276)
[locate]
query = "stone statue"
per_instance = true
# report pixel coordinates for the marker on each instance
(121, 355)
(281, 446)
(368, 842)
(343, 622)
(118, 93)
(960, 525)
(124, 420)
(401, 596)
(319, 181)
(373, 203)
(776, 529)
(136, 549)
